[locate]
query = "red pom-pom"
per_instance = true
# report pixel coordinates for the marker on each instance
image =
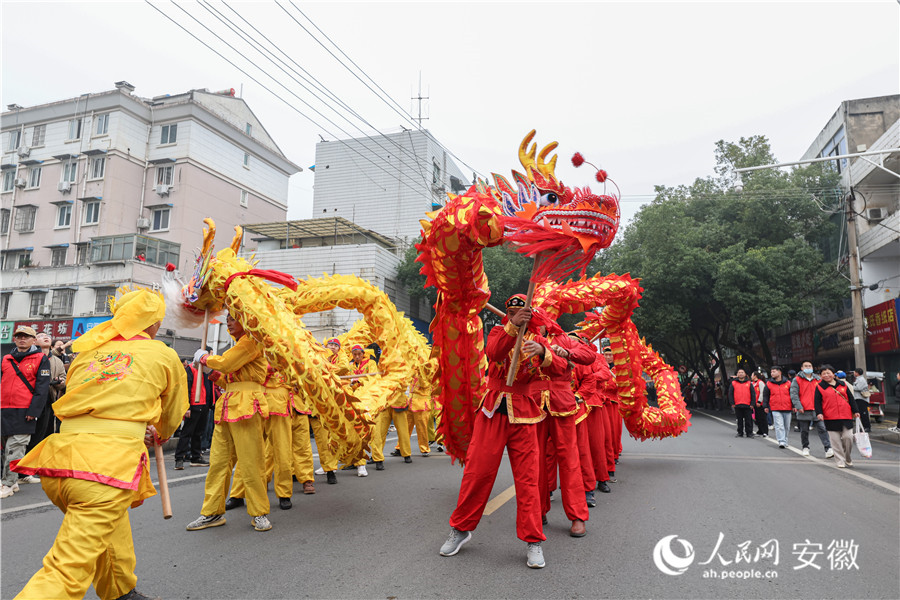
(170, 267)
(601, 175)
(578, 159)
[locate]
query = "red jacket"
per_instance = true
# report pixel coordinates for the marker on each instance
(603, 380)
(17, 401)
(561, 401)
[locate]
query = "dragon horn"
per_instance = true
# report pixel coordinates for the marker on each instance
(547, 169)
(527, 157)
(238, 236)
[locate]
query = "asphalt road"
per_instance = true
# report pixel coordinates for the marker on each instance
(378, 537)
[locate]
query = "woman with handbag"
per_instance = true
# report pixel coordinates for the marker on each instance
(861, 393)
(836, 407)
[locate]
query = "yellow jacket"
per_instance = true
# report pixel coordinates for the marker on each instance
(367, 365)
(340, 363)
(420, 395)
(113, 392)
(245, 372)
(278, 394)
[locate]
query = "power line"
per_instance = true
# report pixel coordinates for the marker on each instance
(268, 89)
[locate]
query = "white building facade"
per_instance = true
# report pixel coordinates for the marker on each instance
(106, 189)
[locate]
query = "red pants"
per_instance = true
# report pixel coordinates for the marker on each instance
(601, 459)
(584, 456)
(617, 424)
(565, 439)
(489, 438)
(612, 452)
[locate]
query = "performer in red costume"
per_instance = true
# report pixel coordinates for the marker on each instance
(507, 418)
(613, 418)
(598, 423)
(562, 407)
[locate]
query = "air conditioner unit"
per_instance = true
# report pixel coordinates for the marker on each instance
(143, 223)
(162, 189)
(24, 151)
(44, 310)
(875, 214)
(64, 186)
(20, 182)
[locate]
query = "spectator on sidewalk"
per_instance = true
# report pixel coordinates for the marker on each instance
(896, 428)
(759, 413)
(45, 423)
(861, 393)
(742, 395)
(190, 441)
(777, 401)
(803, 389)
(24, 385)
(835, 407)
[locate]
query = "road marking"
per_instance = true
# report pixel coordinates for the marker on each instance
(826, 462)
(500, 499)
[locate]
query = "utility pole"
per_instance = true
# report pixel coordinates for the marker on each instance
(856, 305)
(420, 98)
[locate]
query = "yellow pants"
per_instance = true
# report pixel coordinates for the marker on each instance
(93, 544)
(327, 460)
(420, 420)
(301, 448)
(277, 453)
(433, 424)
(382, 423)
(241, 441)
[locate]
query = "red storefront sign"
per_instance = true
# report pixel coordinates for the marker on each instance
(56, 329)
(882, 330)
(802, 345)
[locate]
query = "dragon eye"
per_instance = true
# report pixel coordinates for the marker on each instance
(549, 198)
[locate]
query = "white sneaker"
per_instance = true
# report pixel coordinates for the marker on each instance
(6, 491)
(806, 452)
(30, 479)
(455, 541)
(894, 429)
(261, 523)
(361, 471)
(319, 471)
(15, 487)
(535, 556)
(829, 453)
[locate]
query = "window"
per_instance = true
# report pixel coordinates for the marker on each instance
(245, 199)
(9, 180)
(58, 257)
(249, 129)
(82, 253)
(70, 171)
(4, 221)
(63, 215)
(159, 219)
(23, 260)
(91, 212)
(435, 173)
(25, 217)
(169, 134)
(247, 160)
(165, 175)
(37, 136)
(102, 124)
(75, 129)
(62, 302)
(98, 167)
(4, 305)
(126, 247)
(35, 303)
(14, 138)
(101, 300)
(34, 177)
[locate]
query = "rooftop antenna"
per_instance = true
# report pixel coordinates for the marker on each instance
(420, 98)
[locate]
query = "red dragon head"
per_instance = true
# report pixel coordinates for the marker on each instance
(544, 216)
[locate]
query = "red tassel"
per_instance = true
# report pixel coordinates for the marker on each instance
(170, 267)
(601, 175)
(578, 159)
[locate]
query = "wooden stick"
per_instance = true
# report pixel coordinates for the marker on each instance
(198, 383)
(598, 336)
(491, 308)
(517, 349)
(163, 481)
(360, 375)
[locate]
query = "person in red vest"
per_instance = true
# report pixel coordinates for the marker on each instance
(777, 402)
(189, 443)
(742, 394)
(24, 386)
(835, 407)
(803, 389)
(507, 418)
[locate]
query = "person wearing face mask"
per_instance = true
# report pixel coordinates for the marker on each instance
(835, 407)
(803, 388)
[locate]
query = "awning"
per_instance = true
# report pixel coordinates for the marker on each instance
(31, 162)
(58, 202)
(57, 246)
(91, 198)
(65, 156)
(160, 161)
(12, 250)
(94, 152)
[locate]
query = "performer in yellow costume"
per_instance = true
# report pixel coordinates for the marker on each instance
(123, 389)
(301, 445)
(363, 366)
(327, 460)
(277, 434)
(240, 419)
(421, 405)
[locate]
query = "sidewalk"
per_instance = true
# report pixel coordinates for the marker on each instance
(880, 430)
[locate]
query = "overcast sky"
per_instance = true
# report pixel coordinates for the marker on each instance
(644, 89)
